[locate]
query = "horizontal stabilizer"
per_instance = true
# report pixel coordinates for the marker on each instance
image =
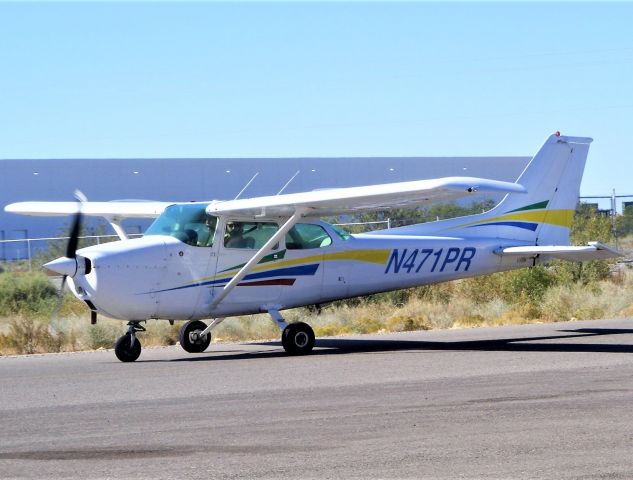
(592, 251)
(118, 210)
(371, 197)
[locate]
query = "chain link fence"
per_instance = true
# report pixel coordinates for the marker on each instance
(33, 252)
(30, 253)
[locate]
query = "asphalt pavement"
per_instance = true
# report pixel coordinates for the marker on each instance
(533, 401)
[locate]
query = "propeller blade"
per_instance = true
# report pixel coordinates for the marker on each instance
(75, 230)
(71, 247)
(79, 196)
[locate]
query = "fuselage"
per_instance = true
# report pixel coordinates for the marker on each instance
(163, 277)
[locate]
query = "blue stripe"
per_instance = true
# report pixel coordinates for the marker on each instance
(300, 271)
(303, 270)
(525, 225)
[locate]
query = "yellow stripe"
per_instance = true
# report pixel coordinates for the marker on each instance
(370, 256)
(562, 218)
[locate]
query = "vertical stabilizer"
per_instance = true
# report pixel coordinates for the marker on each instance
(543, 216)
(552, 179)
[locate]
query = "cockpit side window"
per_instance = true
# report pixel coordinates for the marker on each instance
(344, 234)
(189, 223)
(251, 235)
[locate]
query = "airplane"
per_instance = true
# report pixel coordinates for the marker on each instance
(210, 260)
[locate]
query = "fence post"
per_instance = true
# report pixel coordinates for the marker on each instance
(28, 250)
(614, 212)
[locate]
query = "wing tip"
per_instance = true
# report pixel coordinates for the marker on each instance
(14, 207)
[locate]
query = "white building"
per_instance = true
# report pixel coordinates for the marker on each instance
(186, 179)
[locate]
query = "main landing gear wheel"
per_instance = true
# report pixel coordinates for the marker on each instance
(190, 339)
(127, 348)
(297, 339)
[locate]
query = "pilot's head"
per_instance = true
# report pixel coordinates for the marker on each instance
(237, 229)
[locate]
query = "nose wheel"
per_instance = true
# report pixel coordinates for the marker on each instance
(128, 348)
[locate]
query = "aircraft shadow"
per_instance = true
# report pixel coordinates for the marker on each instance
(341, 346)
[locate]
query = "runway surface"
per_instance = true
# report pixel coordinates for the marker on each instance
(546, 401)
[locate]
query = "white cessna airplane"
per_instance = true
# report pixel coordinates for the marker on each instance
(215, 259)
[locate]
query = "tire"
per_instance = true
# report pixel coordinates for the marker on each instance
(194, 345)
(298, 339)
(126, 352)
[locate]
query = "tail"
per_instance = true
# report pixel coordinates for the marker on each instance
(544, 215)
(552, 179)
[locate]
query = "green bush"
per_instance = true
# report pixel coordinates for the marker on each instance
(28, 294)
(528, 286)
(102, 335)
(588, 226)
(484, 288)
(524, 288)
(586, 273)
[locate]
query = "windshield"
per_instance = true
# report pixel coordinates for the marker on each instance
(189, 223)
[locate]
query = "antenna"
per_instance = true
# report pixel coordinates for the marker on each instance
(288, 182)
(245, 186)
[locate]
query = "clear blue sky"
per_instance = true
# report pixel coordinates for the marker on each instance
(322, 79)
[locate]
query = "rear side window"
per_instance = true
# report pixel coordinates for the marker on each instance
(251, 235)
(344, 234)
(306, 235)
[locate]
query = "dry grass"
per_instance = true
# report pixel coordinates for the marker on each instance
(454, 305)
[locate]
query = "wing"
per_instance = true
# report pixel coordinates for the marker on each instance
(111, 210)
(592, 251)
(371, 197)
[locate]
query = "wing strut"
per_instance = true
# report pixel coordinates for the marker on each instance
(261, 253)
(118, 228)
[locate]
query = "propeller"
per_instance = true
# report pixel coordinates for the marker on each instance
(68, 265)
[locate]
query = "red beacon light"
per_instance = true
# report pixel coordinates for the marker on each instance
(557, 133)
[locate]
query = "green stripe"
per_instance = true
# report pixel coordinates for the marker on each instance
(268, 258)
(534, 206)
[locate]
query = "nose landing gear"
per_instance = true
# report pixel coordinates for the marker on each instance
(128, 348)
